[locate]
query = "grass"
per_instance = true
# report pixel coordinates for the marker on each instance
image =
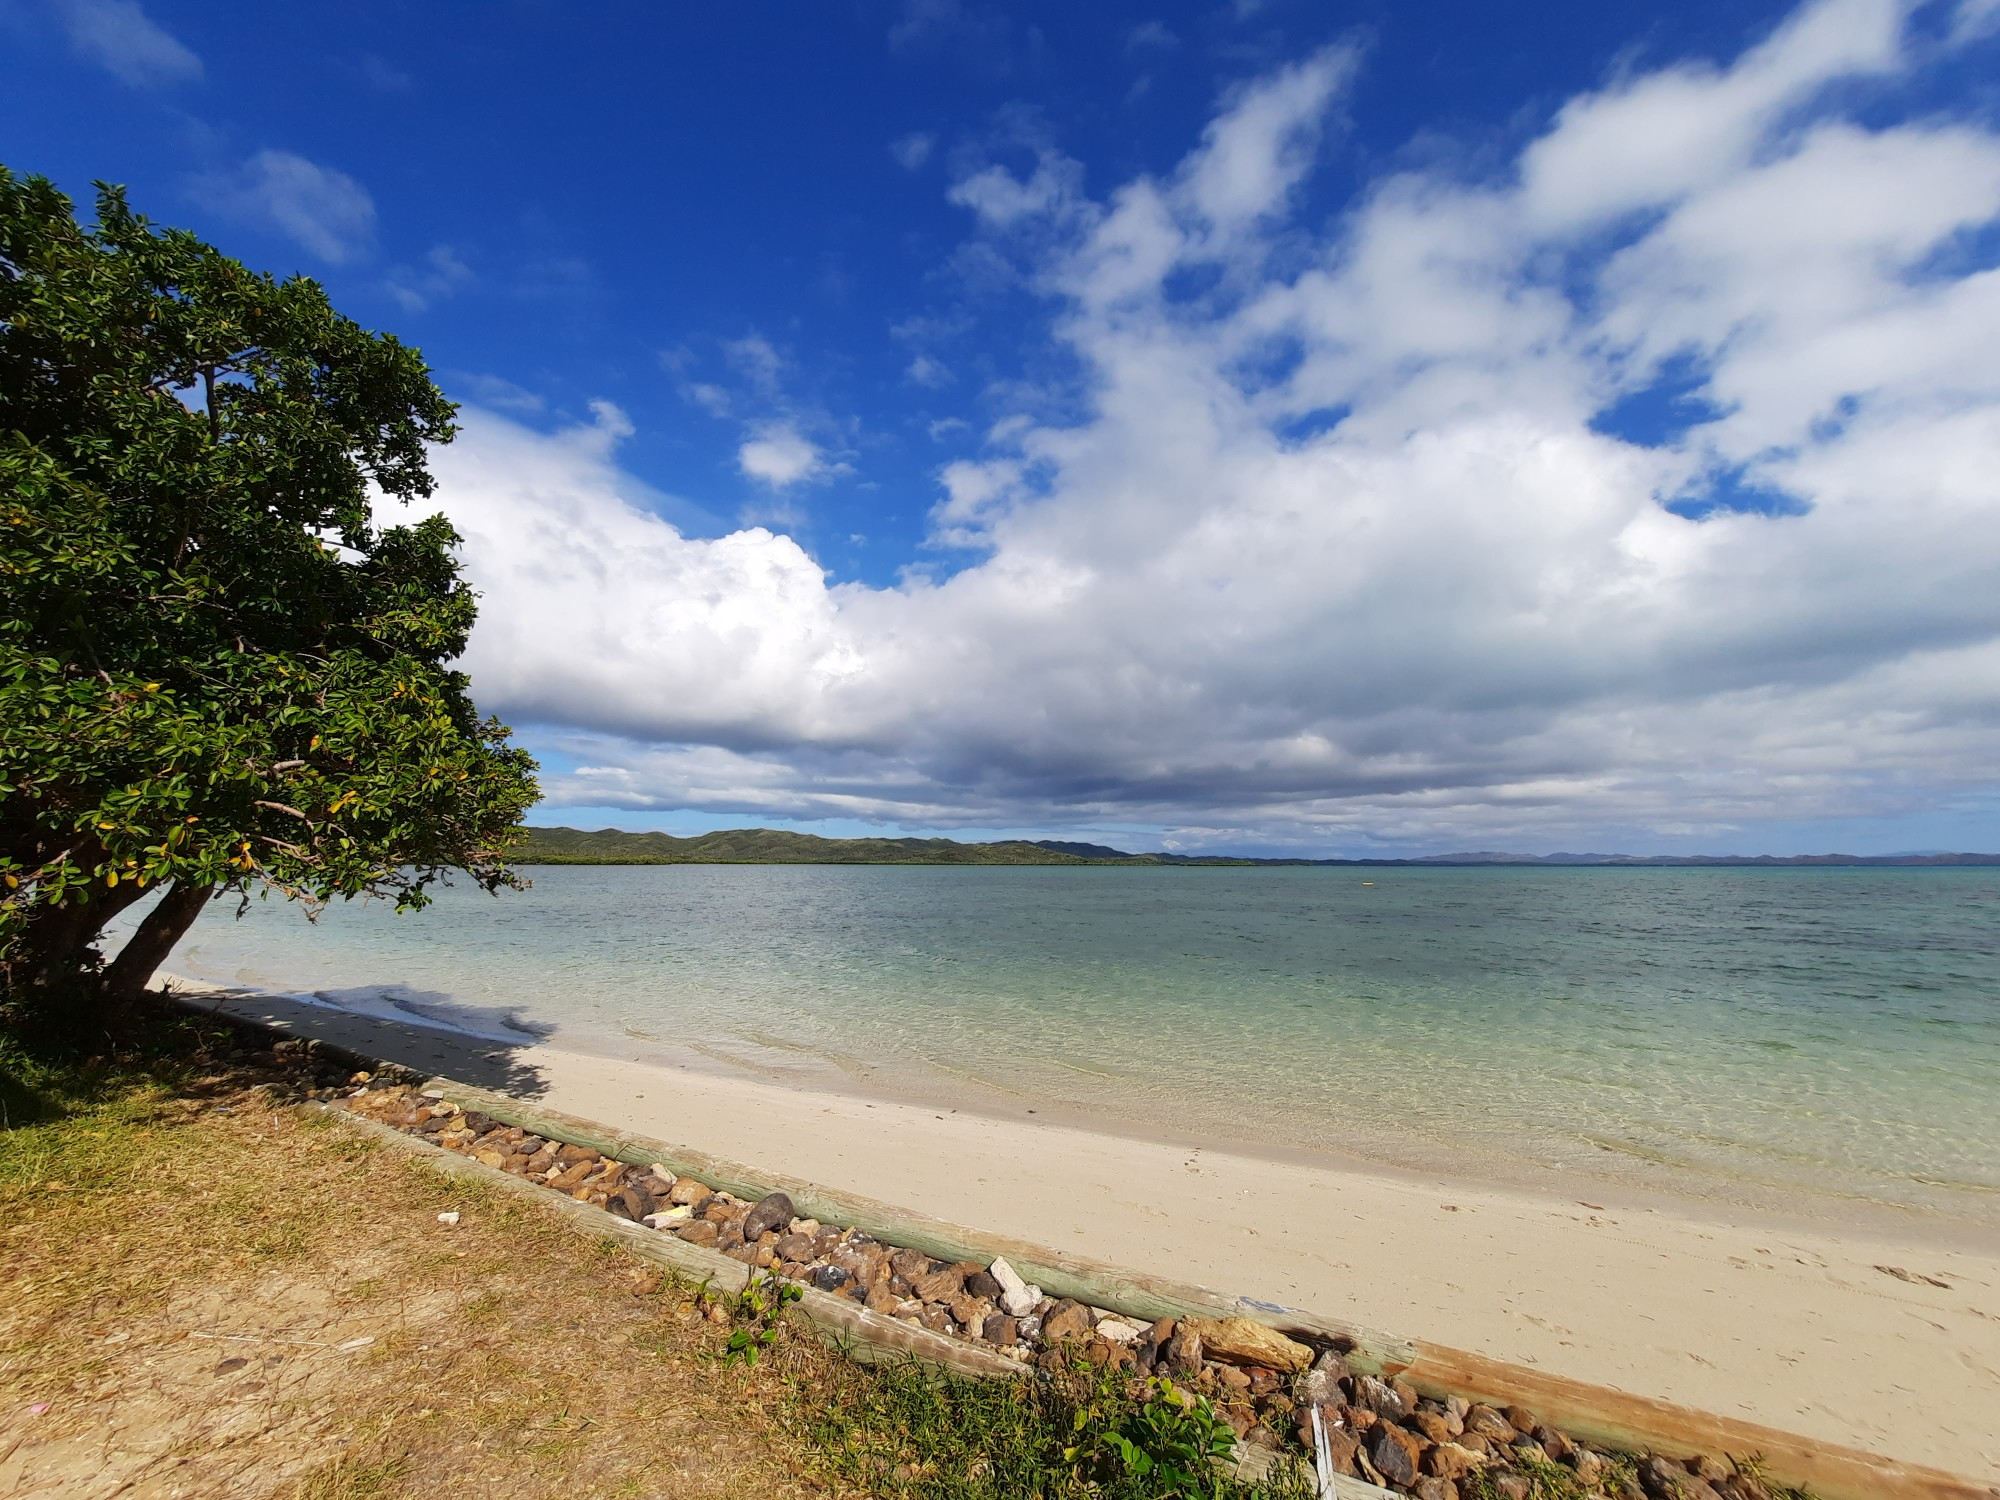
(214, 1291)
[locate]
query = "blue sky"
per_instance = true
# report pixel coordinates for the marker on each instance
(1273, 426)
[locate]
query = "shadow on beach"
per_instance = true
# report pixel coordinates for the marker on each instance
(488, 1047)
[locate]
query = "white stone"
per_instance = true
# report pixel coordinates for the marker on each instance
(668, 1216)
(449, 1217)
(1118, 1331)
(1017, 1297)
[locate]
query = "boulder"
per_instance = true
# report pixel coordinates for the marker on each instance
(1395, 1453)
(1070, 1320)
(1239, 1341)
(772, 1211)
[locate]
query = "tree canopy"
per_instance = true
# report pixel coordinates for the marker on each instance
(218, 670)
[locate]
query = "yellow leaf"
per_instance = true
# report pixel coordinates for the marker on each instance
(111, 877)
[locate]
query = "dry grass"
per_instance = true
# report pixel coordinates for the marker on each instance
(212, 1294)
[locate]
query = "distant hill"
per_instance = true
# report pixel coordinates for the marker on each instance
(775, 846)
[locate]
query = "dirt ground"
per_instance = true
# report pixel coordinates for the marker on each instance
(210, 1296)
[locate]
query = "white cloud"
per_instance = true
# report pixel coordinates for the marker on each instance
(927, 372)
(440, 273)
(777, 454)
(324, 210)
(120, 36)
(1343, 552)
(913, 150)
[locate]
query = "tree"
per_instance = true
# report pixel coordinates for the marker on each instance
(218, 674)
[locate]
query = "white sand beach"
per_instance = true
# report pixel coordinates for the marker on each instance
(1796, 1326)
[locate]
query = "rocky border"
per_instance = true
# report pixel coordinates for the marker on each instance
(1266, 1385)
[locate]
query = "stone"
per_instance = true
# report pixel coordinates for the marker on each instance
(667, 1218)
(631, 1203)
(449, 1217)
(1017, 1298)
(1590, 1466)
(1483, 1421)
(1183, 1351)
(570, 1177)
(830, 1278)
(1395, 1453)
(1427, 1488)
(1028, 1329)
(490, 1158)
(970, 1312)
(983, 1283)
(1434, 1425)
(1450, 1461)
(936, 1319)
(772, 1211)
(699, 1232)
(910, 1264)
(1161, 1331)
(882, 1300)
(1507, 1485)
(1000, 1329)
(1713, 1470)
(1380, 1397)
(1070, 1320)
(687, 1191)
(716, 1211)
(940, 1285)
(1117, 1330)
(1343, 1448)
(1240, 1341)
(1520, 1418)
(798, 1247)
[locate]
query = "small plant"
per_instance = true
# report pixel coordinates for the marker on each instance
(758, 1306)
(1171, 1437)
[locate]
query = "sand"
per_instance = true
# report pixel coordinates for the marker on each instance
(1794, 1325)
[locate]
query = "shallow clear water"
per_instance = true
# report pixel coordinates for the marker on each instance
(1790, 1035)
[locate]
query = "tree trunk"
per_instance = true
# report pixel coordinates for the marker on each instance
(53, 949)
(128, 974)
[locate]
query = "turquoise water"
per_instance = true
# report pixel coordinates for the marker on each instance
(1794, 1035)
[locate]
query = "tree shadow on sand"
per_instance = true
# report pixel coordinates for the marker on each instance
(426, 1031)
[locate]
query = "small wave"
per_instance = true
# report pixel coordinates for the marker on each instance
(387, 1003)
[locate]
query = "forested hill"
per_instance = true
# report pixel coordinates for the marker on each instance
(773, 846)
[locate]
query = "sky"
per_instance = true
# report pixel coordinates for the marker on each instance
(1276, 426)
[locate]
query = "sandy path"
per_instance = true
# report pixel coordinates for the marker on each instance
(1795, 1327)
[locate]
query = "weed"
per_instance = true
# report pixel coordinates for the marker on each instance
(347, 1478)
(757, 1306)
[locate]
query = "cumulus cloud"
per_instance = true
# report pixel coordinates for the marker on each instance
(913, 150)
(1350, 545)
(324, 210)
(121, 37)
(779, 455)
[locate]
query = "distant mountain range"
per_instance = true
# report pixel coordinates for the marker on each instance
(772, 846)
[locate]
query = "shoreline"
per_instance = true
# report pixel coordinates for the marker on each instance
(1797, 1326)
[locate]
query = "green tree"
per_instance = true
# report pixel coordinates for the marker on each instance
(217, 673)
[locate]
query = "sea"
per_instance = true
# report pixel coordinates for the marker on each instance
(1824, 1041)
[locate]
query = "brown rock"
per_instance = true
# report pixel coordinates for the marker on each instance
(686, 1191)
(1379, 1396)
(1240, 1418)
(1507, 1485)
(1713, 1470)
(1436, 1426)
(1590, 1467)
(1234, 1379)
(1554, 1443)
(935, 1318)
(910, 1264)
(1395, 1453)
(940, 1285)
(772, 1211)
(1183, 1351)
(1343, 1448)
(1069, 1320)
(1428, 1488)
(980, 1283)
(699, 1232)
(630, 1203)
(490, 1157)
(1000, 1329)
(1161, 1331)
(1450, 1461)
(1476, 1443)
(882, 1300)
(1489, 1424)
(1520, 1418)
(970, 1312)
(798, 1247)
(1239, 1341)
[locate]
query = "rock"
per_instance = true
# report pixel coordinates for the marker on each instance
(772, 1211)
(449, 1217)
(830, 1278)
(1380, 1397)
(882, 1300)
(1343, 1447)
(1554, 1443)
(1235, 1379)
(1507, 1485)
(1017, 1298)
(1434, 1425)
(490, 1158)
(1520, 1418)
(1321, 1382)
(798, 1247)
(1395, 1453)
(1069, 1320)
(1161, 1331)
(1662, 1477)
(1485, 1422)
(687, 1191)
(910, 1264)
(1028, 1329)
(1117, 1330)
(1450, 1461)
(1590, 1467)
(1428, 1488)
(1000, 1329)
(983, 1284)
(699, 1232)
(936, 1319)
(1713, 1470)
(667, 1218)
(1183, 1350)
(970, 1312)
(1240, 1341)
(940, 1285)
